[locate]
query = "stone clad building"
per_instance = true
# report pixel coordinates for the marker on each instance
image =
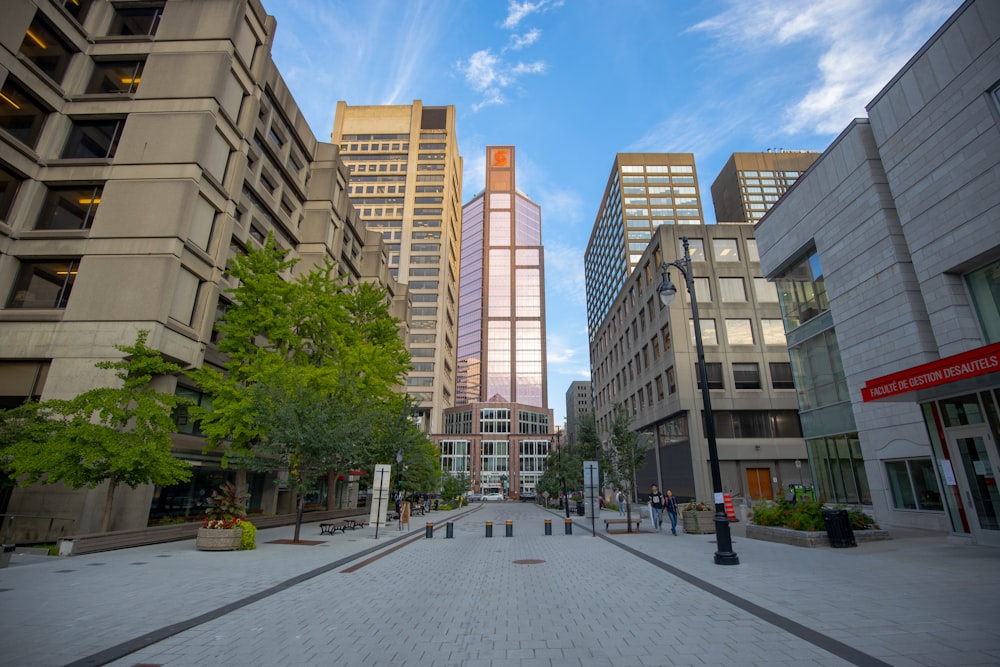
(143, 145)
(886, 253)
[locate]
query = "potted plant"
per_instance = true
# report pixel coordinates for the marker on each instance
(222, 529)
(698, 517)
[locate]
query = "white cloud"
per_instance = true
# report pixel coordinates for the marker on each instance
(490, 75)
(516, 11)
(860, 45)
(518, 42)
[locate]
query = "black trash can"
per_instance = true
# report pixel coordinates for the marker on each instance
(579, 508)
(838, 528)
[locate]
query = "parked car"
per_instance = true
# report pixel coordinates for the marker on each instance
(474, 498)
(493, 496)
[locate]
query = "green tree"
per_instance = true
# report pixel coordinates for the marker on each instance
(628, 452)
(311, 372)
(118, 435)
(454, 486)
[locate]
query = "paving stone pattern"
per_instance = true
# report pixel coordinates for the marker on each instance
(402, 600)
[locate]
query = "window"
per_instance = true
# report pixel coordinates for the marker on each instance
(44, 283)
(802, 291)
(696, 249)
(115, 77)
(984, 287)
(739, 332)
(20, 115)
(709, 334)
(46, 48)
(746, 376)
(725, 250)
(21, 381)
(914, 485)
(76, 8)
(731, 290)
(702, 290)
(70, 207)
(753, 255)
(9, 184)
(766, 291)
(136, 21)
(773, 332)
(714, 372)
(182, 417)
(93, 139)
(781, 375)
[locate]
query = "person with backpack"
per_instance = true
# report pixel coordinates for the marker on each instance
(620, 499)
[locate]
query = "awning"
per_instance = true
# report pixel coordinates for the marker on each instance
(973, 363)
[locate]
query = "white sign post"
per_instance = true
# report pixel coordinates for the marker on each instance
(380, 496)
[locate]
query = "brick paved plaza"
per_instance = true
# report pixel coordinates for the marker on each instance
(530, 599)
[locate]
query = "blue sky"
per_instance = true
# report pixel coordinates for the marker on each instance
(572, 82)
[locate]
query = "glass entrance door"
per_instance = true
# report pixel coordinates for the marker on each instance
(978, 481)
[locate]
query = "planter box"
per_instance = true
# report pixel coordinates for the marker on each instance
(698, 522)
(213, 539)
(805, 538)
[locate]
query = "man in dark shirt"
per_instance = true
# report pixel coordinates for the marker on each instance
(655, 502)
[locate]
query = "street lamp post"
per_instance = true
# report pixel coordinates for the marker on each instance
(724, 554)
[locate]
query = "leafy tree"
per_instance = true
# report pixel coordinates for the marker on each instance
(118, 435)
(313, 364)
(628, 452)
(453, 486)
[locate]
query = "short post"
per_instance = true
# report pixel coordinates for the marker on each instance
(449, 530)
(548, 526)
(489, 529)
(569, 526)
(429, 530)
(510, 528)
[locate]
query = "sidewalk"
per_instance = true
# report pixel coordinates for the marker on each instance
(529, 599)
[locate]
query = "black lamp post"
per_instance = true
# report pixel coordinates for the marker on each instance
(724, 554)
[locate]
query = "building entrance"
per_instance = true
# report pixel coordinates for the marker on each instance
(976, 475)
(759, 484)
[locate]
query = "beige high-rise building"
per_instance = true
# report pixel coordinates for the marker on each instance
(750, 183)
(142, 146)
(406, 183)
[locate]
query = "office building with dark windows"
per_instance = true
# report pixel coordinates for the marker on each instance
(750, 183)
(500, 431)
(406, 184)
(644, 191)
(643, 357)
(579, 404)
(887, 259)
(142, 146)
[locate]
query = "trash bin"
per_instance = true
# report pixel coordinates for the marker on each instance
(579, 508)
(838, 528)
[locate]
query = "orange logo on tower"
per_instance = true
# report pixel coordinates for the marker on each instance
(500, 157)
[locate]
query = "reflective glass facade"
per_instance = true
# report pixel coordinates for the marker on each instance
(501, 310)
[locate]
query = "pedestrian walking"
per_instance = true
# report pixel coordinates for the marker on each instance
(655, 502)
(671, 507)
(620, 499)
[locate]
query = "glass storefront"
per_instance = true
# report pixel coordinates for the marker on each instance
(189, 500)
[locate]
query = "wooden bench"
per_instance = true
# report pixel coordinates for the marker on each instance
(332, 528)
(355, 523)
(609, 522)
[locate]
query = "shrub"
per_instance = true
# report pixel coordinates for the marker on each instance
(248, 541)
(805, 515)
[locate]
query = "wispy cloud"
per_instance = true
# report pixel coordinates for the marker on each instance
(490, 73)
(860, 45)
(516, 11)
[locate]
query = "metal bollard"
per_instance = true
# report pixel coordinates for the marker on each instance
(449, 530)
(548, 526)
(569, 526)
(429, 530)
(489, 529)
(510, 529)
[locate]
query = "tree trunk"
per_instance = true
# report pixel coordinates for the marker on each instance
(106, 517)
(301, 504)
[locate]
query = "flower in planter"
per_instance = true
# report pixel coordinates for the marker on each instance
(227, 509)
(698, 506)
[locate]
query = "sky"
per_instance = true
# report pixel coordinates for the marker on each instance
(570, 83)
